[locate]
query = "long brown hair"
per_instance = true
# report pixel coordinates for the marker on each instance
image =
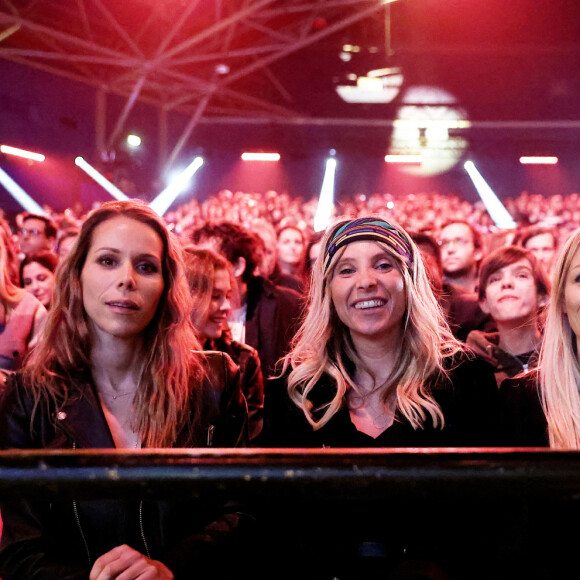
(170, 368)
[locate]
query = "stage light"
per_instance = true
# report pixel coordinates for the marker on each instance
(19, 194)
(499, 214)
(133, 141)
(21, 153)
(326, 198)
(248, 156)
(100, 179)
(393, 158)
(538, 160)
(162, 202)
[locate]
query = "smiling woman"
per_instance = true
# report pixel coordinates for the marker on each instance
(374, 364)
(119, 366)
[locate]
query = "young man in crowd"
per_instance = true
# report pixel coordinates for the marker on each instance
(513, 289)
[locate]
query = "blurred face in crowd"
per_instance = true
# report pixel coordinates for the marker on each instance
(122, 278)
(368, 292)
(39, 281)
(544, 248)
(270, 252)
(65, 245)
(290, 246)
(32, 236)
(511, 294)
(571, 305)
(458, 253)
(216, 320)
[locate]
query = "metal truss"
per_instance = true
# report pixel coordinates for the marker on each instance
(173, 54)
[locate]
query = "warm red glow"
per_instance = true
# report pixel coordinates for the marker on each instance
(538, 160)
(403, 158)
(260, 156)
(21, 153)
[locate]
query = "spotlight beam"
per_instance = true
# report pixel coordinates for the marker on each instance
(326, 198)
(19, 194)
(100, 179)
(494, 206)
(162, 202)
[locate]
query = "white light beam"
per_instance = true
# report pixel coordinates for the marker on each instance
(499, 214)
(326, 198)
(100, 179)
(162, 202)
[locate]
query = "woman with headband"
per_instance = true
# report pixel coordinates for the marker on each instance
(374, 364)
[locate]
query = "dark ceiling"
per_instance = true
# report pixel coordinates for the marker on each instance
(503, 60)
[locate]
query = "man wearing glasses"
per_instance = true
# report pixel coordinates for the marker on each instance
(36, 232)
(461, 251)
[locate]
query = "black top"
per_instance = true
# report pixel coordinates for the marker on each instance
(522, 419)
(468, 398)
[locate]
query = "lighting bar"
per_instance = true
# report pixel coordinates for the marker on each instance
(19, 194)
(392, 158)
(499, 214)
(21, 153)
(326, 198)
(100, 179)
(261, 156)
(162, 202)
(538, 160)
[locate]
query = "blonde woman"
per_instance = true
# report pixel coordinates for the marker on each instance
(375, 365)
(374, 362)
(119, 367)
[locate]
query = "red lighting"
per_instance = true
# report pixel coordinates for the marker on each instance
(261, 156)
(403, 158)
(21, 153)
(538, 160)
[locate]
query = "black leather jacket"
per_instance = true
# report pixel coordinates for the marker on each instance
(43, 540)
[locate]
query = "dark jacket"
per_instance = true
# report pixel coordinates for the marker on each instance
(468, 400)
(505, 365)
(272, 319)
(522, 419)
(62, 539)
(251, 380)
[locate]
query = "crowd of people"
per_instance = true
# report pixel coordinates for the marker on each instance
(410, 322)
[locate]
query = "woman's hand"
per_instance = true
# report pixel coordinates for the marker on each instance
(124, 563)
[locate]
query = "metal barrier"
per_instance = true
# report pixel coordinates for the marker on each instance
(327, 474)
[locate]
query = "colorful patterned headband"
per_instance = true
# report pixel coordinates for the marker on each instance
(372, 229)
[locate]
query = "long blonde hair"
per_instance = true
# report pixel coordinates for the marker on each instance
(170, 370)
(559, 373)
(323, 347)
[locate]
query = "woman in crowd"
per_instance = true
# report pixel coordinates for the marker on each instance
(374, 364)
(22, 316)
(210, 282)
(119, 366)
(37, 275)
(291, 252)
